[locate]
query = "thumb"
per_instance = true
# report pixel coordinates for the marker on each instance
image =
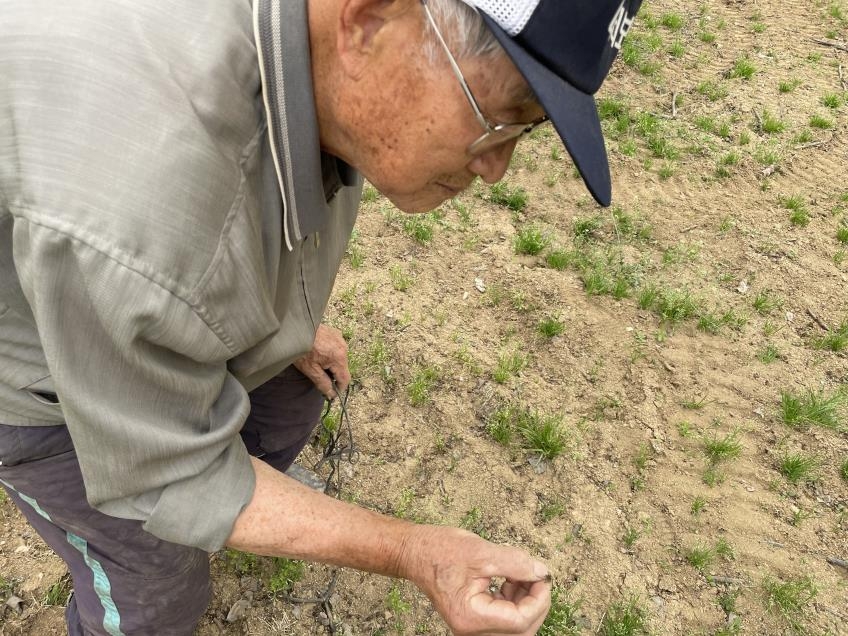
(516, 565)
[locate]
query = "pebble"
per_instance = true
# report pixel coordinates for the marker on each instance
(238, 611)
(16, 603)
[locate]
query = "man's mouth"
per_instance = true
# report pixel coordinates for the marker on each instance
(452, 190)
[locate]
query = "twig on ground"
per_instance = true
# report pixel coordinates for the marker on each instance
(601, 622)
(831, 43)
(759, 120)
(686, 230)
(674, 104)
(841, 563)
(817, 320)
(812, 144)
(842, 79)
(830, 610)
(727, 580)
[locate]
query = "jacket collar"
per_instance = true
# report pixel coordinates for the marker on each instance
(307, 180)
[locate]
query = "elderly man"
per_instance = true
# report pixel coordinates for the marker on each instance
(178, 181)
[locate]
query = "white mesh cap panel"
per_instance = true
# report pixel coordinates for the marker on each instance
(511, 15)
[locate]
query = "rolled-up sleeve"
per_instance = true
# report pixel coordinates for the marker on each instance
(140, 370)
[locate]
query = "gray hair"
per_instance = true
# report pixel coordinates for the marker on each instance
(463, 29)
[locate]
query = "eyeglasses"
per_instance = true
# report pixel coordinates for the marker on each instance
(496, 134)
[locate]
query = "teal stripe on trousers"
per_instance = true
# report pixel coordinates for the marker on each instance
(102, 586)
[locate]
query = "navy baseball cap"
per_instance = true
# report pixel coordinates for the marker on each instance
(564, 49)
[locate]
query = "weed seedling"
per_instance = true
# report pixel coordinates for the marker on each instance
(700, 557)
(685, 429)
(713, 91)
(419, 227)
(713, 476)
(797, 467)
(500, 425)
(835, 340)
(743, 68)
(771, 125)
(722, 449)
(695, 403)
(287, 572)
(765, 302)
(625, 618)
(508, 365)
(401, 281)
(787, 86)
(698, 505)
(530, 241)
(843, 470)
(59, 593)
(631, 535)
(543, 435)
(798, 516)
(790, 599)
(559, 259)
(562, 617)
(550, 509)
(585, 228)
(647, 297)
(243, 563)
(551, 326)
(842, 235)
(831, 100)
(812, 408)
(672, 21)
(395, 601)
(822, 123)
(513, 198)
(768, 354)
(675, 306)
(473, 522)
(724, 550)
(422, 383)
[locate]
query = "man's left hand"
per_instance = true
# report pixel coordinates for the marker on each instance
(326, 361)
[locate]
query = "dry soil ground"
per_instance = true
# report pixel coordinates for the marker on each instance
(661, 356)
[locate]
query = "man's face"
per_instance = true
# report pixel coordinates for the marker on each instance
(414, 124)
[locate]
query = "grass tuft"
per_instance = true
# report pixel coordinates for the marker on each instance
(422, 384)
(542, 434)
(514, 199)
(722, 449)
(530, 240)
(743, 68)
(562, 617)
(797, 467)
(551, 327)
(790, 599)
(812, 408)
(836, 340)
(625, 618)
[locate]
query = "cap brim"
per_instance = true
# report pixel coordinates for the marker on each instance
(574, 115)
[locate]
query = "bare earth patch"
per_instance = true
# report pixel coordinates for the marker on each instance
(652, 398)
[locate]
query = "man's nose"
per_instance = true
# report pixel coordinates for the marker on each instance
(492, 164)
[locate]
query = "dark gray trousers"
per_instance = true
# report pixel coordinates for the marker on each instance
(127, 581)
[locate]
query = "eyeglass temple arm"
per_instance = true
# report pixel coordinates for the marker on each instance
(457, 70)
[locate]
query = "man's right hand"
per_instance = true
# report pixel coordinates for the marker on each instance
(455, 568)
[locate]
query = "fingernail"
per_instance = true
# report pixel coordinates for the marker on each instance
(541, 572)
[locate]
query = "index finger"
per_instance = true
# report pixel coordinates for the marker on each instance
(506, 617)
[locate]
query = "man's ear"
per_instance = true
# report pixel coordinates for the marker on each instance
(362, 23)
